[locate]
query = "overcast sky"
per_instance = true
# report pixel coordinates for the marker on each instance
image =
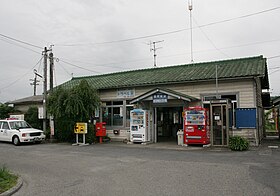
(97, 36)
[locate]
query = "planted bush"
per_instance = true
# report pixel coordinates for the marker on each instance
(7, 180)
(238, 143)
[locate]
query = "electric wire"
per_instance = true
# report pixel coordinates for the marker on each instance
(77, 66)
(211, 42)
(274, 68)
(20, 41)
(179, 54)
(54, 74)
(273, 57)
(110, 65)
(12, 43)
(12, 83)
(170, 32)
(61, 65)
(274, 71)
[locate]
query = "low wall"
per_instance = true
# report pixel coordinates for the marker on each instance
(249, 134)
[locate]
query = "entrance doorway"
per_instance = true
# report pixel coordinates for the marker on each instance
(219, 124)
(168, 121)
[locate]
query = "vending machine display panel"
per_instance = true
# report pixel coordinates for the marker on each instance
(196, 126)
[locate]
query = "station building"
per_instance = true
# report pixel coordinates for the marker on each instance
(233, 91)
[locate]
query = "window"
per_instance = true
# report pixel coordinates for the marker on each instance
(112, 113)
(5, 125)
(117, 116)
(234, 104)
(116, 113)
(128, 109)
(106, 115)
(19, 125)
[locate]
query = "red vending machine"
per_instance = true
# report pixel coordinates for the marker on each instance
(196, 126)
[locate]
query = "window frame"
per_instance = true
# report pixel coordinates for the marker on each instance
(124, 107)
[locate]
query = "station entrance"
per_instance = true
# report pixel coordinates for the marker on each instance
(168, 120)
(166, 107)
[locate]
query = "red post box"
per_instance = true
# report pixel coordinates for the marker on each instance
(100, 128)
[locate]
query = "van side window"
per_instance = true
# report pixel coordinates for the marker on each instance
(5, 125)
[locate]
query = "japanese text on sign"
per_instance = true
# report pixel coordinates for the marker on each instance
(126, 93)
(160, 98)
(80, 128)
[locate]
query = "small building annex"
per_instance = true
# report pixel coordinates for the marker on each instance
(231, 89)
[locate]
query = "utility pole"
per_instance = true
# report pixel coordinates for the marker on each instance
(190, 9)
(51, 70)
(45, 53)
(34, 82)
(51, 88)
(154, 49)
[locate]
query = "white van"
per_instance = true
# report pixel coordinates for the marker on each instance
(19, 131)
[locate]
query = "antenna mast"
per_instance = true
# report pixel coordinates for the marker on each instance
(190, 8)
(154, 49)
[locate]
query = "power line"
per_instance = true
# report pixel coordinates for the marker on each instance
(207, 37)
(17, 40)
(274, 71)
(99, 65)
(12, 43)
(61, 65)
(166, 56)
(240, 17)
(79, 66)
(170, 32)
(273, 57)
(21, 75)
(274, 67)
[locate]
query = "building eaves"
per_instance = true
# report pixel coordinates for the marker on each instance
(227, 69)
(31, 99)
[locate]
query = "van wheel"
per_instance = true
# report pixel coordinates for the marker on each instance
(16, 141)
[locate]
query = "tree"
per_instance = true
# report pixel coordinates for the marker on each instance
(68, 106)
(31, 116)
(5, 110)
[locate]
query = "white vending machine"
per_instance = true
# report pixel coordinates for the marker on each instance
(140, 129)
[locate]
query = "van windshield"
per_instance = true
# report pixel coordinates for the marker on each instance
(19, 125)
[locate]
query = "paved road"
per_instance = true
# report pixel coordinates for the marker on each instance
(118, 169)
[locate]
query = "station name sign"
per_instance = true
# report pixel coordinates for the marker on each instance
(160, 98)
(124, 93)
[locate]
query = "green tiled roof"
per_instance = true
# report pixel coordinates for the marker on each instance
(227, 69)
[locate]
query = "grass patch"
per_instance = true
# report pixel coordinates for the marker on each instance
(7, 180)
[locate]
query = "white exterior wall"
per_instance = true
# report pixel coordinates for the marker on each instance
(245, 89)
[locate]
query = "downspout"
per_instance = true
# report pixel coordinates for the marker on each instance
(257, 134)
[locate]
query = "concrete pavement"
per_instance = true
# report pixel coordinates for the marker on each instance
(121, 169)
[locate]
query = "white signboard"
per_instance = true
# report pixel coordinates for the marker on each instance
(40, 112)
(123, 93)
(17, 116)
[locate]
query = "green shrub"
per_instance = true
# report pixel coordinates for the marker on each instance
(7, 180)
(238, 143)
(90, 136)
(31, 116)
(64, 130)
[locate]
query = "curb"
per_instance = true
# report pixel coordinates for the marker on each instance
(14, 189)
